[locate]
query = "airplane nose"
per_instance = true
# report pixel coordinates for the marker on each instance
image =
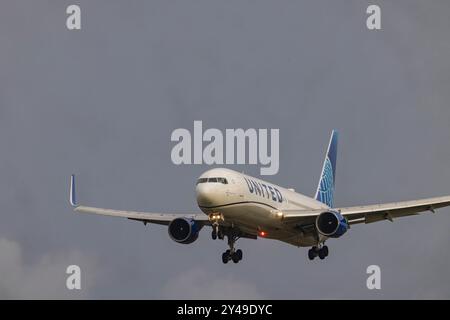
(206, 195)
(203, 197)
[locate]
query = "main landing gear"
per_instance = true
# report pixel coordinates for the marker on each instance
(321, 252)
(235, 256)
(232, 235)
(232, 253)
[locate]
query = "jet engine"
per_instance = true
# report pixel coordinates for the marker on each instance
(331, 224)
(184, 230)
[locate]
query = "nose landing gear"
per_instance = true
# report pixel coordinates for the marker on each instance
(217, 233)
(321, 251)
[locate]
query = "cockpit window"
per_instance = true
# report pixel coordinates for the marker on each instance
(202, 180)
(213, 180)
(222, 180)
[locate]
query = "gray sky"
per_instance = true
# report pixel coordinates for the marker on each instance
(102, 102)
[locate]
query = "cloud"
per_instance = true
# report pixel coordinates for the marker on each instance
(43, 279)
(199, 283)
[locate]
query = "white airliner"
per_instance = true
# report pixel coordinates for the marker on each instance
(237, 206)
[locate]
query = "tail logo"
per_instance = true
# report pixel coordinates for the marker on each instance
(326, 187)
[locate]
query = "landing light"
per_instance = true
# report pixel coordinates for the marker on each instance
(215, 216)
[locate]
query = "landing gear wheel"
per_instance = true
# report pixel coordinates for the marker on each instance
(236, 256)
(321, 254)
(225, 257)
(239, 254)
(311, 254)
(220, 234)
(325, 250)
(214, 235)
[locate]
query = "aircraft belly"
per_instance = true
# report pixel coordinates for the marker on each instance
(251, 218)
(249, 215)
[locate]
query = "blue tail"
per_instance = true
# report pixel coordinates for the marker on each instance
(325, 189)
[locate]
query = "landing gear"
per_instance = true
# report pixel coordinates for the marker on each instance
(235, 256)
(232, 253)
(321, 252)
(215, 219)
(311, 254)
(238, 255)
(217, 233)
(226, 256)
(233, 234)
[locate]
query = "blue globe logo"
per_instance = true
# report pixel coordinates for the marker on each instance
(326, 187)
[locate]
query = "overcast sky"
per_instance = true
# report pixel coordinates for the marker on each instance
(102, 102)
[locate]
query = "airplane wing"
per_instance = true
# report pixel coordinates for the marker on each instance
(370, 213)
(145, 217)
(390, 211)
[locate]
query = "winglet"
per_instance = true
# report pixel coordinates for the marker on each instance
(72, 196)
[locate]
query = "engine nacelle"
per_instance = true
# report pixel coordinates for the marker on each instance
(184, 230)
(331, 224)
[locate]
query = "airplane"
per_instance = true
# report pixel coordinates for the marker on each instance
(238, 206)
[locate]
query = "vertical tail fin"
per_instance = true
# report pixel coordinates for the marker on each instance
(325, 189)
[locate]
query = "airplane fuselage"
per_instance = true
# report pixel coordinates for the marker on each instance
(253, 205)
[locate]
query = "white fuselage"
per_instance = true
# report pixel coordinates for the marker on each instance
(253, 205)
